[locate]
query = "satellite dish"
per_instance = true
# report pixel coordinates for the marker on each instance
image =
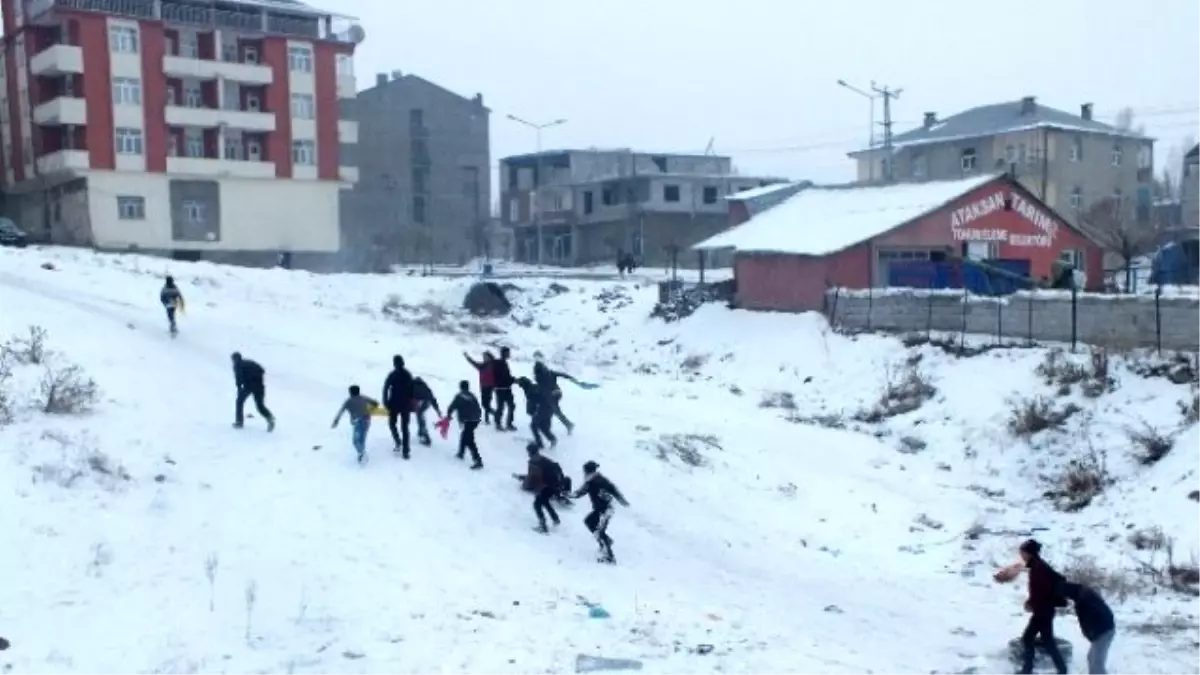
(356, 34)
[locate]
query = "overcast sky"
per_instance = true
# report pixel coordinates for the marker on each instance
(759, 76)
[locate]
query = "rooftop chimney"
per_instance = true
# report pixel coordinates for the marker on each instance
(381, 79)
(479, 100)
(396, 75)
(1085, 111)
(930, 120)
(1028, 105)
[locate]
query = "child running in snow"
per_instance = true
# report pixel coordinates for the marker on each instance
(360, 408)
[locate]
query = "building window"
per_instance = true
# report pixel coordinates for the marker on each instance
(1072, 257)
(300, 59)
(129, 141)
(416, 118)
(345, 65)
(131, 208)
(1010, 154)
(1145, 157)
(172, 144)
(234, 148)
(193, 211)
(710, 194)
(303, 107)
(670, 193)
(968, 159)
(587, 202)
(420, 180)
(514, 210)
(193, 95)
(1117, 154)
(1076, 153)
(608, 196)
(189, 45)
(920, 165)
(123, 39)
(304, 153)
(1077, 198)
(193, 142)
(127, 91)
(418, 209)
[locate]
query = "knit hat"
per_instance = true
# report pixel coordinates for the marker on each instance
(590, 467)
(1031, 546)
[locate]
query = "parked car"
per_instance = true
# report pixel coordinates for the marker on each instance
(11, 235)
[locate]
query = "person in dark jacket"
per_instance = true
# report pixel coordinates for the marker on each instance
(544, 476)
(1095, 622)
(359, 407)
(171, 299)
(503, 379)
(539, 408)
(1042, 603)
(487, 382)
(469, 412)
(423, 400)
(248, 376)
(601, 492)
(398, 398)
(547, 380)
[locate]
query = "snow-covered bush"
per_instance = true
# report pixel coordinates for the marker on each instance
(29, 349)
(902, 393)
(1080, 481)
(6, 411)
(1115, 584)
(1033, 415)
(1152, 444)
(1060, 371)
(1190, 409)
(67, 390)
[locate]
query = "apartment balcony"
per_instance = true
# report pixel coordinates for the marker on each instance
(57, 60)
(207, 69)
(61, 110)
(347, 86)
(347, 131)
(63, 161)
(348, 174)
(220, 168)
(246, 120)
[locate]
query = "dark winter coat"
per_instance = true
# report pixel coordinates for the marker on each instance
(534, 398)
(422, 394)
(466, 406)
(248, 374)
(601, 491)
(501, 374)
(1095, 616)
(542, 473)
(398, 389)
(547, 379)
(170, 296)
(1043, 587)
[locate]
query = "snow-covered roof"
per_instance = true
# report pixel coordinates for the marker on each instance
(823, 220)
(760, 191)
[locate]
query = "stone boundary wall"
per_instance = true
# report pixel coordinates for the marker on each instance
(1170, 321)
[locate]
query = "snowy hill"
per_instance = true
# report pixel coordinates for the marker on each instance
(786, 517)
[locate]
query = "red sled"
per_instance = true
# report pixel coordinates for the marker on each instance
(443, 426)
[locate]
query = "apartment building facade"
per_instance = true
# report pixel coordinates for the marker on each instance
(589, 206)
(424, 180)
(1069, 161)
(196, 127)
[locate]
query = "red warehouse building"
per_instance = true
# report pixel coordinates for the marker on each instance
(849, 236)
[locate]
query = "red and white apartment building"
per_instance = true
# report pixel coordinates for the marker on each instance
(182, 126)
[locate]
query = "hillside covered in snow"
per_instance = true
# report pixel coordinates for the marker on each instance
(801, 500)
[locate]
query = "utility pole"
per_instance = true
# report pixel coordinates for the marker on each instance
(535, 194)
(889, 174)
(870, 126)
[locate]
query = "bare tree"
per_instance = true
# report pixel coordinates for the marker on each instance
(1115, 229)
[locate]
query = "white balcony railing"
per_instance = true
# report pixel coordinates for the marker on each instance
(61, 110)
(248, 120)
(183, 116)
(225, 168)
(57, 60)
(347, 131)
(64, 160)
(207, 69)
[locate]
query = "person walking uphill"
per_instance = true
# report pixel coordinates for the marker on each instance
(1044, 583)
(502, 378)
(539, 407)
(359, 407)
(172, 300)
(602, 492)
(248, 376)
(423, 400)
(547, 380)
(398, 399)
(544, 477)
(487, 382)
(466, 406)
(1095, 622)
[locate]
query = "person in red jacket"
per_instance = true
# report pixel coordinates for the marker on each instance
(487, 382)
(1044, 598)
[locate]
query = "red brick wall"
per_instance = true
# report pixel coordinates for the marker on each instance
(326, 102)
(279, 142)
(97, 87)
(154, 95)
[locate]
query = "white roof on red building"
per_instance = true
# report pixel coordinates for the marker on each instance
(823, 220)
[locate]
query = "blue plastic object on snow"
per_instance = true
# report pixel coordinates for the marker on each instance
(597, 612)
(587, 385)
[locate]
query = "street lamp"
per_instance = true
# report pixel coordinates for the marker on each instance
(537, 128)
(871, 129)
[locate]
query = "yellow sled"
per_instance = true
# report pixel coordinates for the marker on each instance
(379, 411)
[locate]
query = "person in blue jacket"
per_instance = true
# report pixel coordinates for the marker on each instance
(171, 299)
(1095, 622)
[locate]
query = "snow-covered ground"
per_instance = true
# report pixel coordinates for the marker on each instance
(768, 532)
